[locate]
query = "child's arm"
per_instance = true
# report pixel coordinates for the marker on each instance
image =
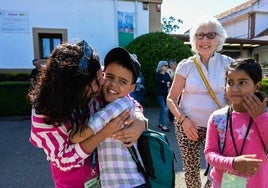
(212, 149)
(81, 135)
(98, 120)
(102, 117)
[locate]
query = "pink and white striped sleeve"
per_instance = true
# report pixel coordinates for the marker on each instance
(56, 144)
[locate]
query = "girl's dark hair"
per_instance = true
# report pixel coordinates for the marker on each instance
(252, 69)
(250, 66)
(60, 92)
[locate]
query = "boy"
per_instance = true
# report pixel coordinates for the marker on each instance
(117, 168)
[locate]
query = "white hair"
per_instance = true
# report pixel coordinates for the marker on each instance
(160, 64)
(208, 21)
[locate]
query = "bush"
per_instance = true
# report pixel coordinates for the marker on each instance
(14, 76)
(265, 85)
(152, 48)
(13, 98)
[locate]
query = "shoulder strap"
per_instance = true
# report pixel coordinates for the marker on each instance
(134, 156)
(211, 92)
(221, 141)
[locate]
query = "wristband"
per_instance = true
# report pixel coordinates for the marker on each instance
(183, 120)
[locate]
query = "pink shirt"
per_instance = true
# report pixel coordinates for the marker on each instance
(70, 165)
(256, 140)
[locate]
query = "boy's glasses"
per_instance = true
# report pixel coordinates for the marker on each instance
(87, 56)
(209, 35)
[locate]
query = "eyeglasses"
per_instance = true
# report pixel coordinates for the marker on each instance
(209, 35)
(87, 56)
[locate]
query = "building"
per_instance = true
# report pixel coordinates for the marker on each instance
(248, 22)
(247, 29)
(32, 29)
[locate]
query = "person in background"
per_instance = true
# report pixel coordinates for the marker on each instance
(71, 78)
(35, 72)
(207, 38)
(163, 82)
(117, 166)
(171, 68)
(139, 91)
(237, 139)
(171, 71)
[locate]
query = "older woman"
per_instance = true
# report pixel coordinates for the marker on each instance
(192, 113)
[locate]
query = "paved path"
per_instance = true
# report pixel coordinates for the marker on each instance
(22, 165)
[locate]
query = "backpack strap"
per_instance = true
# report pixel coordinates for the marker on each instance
(134, 156)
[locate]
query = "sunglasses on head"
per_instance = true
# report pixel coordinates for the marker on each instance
(86, 58)
(209, 35)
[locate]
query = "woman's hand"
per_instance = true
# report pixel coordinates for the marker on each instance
(190, 129)
(246, 165)
(132, 131)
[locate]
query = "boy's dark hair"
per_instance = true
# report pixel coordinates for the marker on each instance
(122, 57)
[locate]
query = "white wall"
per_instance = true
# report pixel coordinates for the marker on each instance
(91, 20)
(261, 22)
(237, 29)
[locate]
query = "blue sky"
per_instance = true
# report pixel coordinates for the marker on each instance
(189, 10)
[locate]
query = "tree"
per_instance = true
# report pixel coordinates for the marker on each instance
(151, 48)
(171, 24)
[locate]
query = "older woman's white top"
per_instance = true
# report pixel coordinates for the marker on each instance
(196, 102)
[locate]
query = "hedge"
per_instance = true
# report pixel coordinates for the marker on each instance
(13, 98)
(15, 76)
(150, 49)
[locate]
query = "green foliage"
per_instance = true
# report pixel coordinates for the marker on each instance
(16, 76)
(265, 85)
(264, 64)
(170, 25)
(13, 98)
(152, 48)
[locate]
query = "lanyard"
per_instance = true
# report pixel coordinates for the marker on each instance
(93, 162)
(232, 134)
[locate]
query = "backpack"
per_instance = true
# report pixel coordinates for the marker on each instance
(157, 159)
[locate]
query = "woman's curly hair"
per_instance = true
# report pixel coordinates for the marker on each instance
(60, 91)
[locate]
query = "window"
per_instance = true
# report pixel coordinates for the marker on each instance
(47, 43)
(45, 40)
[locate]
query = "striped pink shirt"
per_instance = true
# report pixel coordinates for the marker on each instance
(70, 165)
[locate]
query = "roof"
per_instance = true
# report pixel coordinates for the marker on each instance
(236, 9)
(230, 42)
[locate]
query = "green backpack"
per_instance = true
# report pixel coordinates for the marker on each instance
(157, 159)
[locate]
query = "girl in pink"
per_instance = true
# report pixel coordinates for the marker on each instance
(237, 136)
(71, 78)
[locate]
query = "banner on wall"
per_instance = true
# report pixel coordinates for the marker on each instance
(125, 28)
(14, 22)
